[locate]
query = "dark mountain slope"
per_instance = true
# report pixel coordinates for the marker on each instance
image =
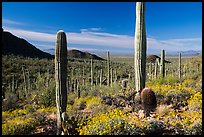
(84, 55)
(17, 46)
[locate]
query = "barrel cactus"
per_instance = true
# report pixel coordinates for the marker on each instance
(148, 100)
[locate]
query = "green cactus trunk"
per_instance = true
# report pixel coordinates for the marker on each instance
(61, 77)
(25, 83)
(13, 85)
(111, 77)
(91, 72)
(115, 76)
(140, 47)
(179, 65)
(150, 70)
(155, 67)
(101, 76)
(162, 64)
(108, 69)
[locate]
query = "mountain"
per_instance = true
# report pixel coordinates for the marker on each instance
(85, 55)
(190, 52)
(152, 58)
(18, 46)
(77, 54)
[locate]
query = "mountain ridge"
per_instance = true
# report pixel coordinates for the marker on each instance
(12, 44)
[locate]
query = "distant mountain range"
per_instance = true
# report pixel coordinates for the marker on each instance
(18, 46)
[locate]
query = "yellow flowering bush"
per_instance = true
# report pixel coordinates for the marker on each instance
(18, 125)
(22, 121)
(113, 122)
(195, 102)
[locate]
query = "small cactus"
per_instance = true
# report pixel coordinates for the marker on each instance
(148, 100)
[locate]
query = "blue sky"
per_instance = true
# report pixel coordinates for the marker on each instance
(100, 26)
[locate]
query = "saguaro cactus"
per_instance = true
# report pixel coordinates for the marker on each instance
(91, 72)
(101, 76)
(179, 65)
(61, 77)
(162, 63)
(115, 72)
(108, 67)
(155, 67)
(111, 77)
(140, 47)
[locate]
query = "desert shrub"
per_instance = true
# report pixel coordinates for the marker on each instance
(18, 126)
(185, 122)
(195, 102)
(46, 95)
(153, 127)
(23, 121)
(79, 104)
(113, 122)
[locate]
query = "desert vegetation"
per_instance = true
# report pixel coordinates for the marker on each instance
(107, 97)
(29, 102)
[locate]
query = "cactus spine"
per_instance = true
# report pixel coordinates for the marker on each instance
(61, 77)
(179, 65)
(140, 47)
(108, 67)
(162, 63)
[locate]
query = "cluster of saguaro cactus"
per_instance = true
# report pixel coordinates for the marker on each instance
(140, 47)
(61, 77)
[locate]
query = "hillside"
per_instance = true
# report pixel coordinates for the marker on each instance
(18, 46)
(85, 55)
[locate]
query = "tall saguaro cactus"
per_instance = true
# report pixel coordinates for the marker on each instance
(140, 47)
(108, 67)
(162, 63)
(61, 77)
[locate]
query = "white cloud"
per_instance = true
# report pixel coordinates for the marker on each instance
(175, 44)
(32, 35)
(8, 21)
(91, 29)
(108, 40)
